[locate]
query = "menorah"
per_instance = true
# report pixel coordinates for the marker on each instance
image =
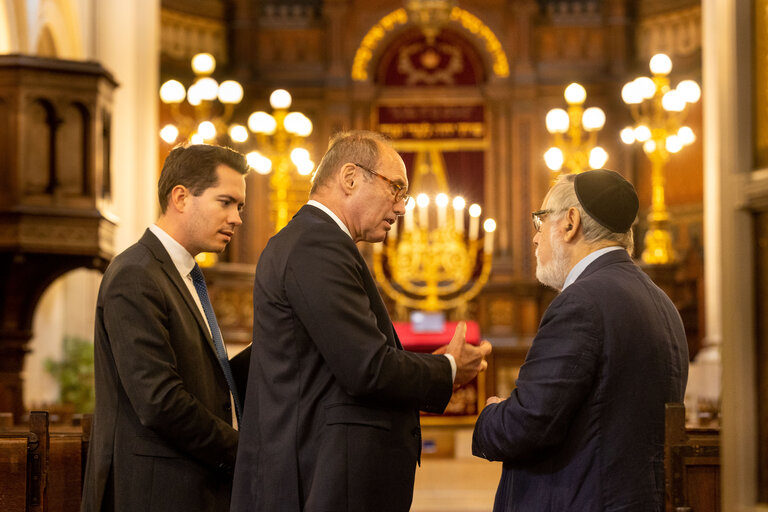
(431, 262)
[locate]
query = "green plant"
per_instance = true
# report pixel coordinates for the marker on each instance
(74, 373)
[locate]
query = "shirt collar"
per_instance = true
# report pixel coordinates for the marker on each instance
(182, 260)
(321, 206)
(584, 263)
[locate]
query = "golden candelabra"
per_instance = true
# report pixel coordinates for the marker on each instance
(431, 260)
(202, 118)
(659, 112)
(280, 137)
(575, 134)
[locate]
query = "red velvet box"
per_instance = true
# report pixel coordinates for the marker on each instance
(466, 401)
(431, 341)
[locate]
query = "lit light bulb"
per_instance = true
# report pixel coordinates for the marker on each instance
(690, 91)
(203, 63)
(207, 88)
(475, 210)
(280, 98)
(299, 155)
(193, 95)
(261, 122)
(259, 162)
(238, 133)
(674, 144)
(660, 64)
(686, 135)
(169, 133)
(554, 159)
(297, 124)
(230, 92)
(172, 92)
(593, 119)
(649, 146)
(422, 200)
(627, 135)
(489, 225)
(673, 101)
(557, 121)
(642, 133)
(630, 94)
(206, 130)
(597, 157)
(305, 167)
(645, 87)
(459, 203)
(575, 94)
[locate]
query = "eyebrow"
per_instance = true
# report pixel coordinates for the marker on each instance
(230, 198)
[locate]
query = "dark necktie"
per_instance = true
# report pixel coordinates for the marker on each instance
(202, 292)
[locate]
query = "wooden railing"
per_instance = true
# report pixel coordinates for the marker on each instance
(42, 468)
(692, 464)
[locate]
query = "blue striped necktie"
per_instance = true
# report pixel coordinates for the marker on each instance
(202, 292)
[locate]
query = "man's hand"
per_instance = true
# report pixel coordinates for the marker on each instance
(494, 400)
(470, 359)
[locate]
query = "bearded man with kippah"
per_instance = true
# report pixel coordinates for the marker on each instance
(584, 428)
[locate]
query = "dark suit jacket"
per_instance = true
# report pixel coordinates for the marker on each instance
(332, 412)
(162, 436)
(584, 429)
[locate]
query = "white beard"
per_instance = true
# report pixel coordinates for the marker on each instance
(556, 271)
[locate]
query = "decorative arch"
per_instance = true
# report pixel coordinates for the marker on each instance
(46, 46)
(60, 18)
(461, 19)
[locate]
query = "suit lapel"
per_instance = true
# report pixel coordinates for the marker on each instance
(383, 321)
(162, 256)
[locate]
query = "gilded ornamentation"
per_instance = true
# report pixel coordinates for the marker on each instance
(429, 73)
(393, 20)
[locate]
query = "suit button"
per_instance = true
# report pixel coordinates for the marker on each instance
(228, 406)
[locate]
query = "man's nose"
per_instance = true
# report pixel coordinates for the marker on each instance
(399, 207)
(235, 218)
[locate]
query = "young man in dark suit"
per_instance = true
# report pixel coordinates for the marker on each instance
(162, 436)
(332, 413)
(584, 427)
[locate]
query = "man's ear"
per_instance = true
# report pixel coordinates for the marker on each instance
(178, 198)
(348, 178)
(573, 219)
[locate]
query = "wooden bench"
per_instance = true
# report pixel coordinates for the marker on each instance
(691, 463)
(41, 469)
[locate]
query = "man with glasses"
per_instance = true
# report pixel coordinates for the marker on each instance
(331, 418)
(584, 428)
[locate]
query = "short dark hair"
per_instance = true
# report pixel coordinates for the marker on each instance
(361, 146)
(194, 166)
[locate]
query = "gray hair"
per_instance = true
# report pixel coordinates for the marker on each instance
(356, 146)
(562, 196)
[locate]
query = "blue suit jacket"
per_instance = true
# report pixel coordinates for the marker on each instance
(584, 429)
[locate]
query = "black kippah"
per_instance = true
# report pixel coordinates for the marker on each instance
(608, 198)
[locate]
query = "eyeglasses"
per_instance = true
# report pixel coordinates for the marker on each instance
(397, 190)
(537, 217)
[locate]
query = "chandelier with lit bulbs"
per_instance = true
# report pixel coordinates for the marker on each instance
(209, 106)
(432, 259)
(280, 140)
(659, 112)
(574, 134)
